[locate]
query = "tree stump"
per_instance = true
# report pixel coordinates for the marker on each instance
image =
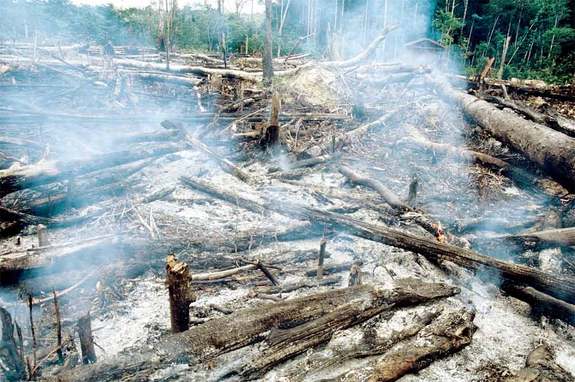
(181, 295)
(86, 339)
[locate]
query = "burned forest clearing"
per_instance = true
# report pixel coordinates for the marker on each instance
(355, 220)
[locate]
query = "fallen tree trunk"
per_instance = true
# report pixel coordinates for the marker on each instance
(561, 236)
(227, 165)
(560, 124)
(285, 344)
(336, 143)
(371, 345)
(448, 334)
(181, 80)
(557, 286)
(245, 327)
(389, 196)
(50, 171)
(540, 366)
(28, 260)
(197, 70)
(542, 303)
(51, 199)
(553, 151)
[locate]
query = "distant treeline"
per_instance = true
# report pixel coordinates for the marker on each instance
(533, 38)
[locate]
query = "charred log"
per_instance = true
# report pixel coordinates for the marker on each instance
(557, 286)
(551, 150)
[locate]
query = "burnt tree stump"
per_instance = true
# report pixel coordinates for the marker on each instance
(86, 339)
(181, 295)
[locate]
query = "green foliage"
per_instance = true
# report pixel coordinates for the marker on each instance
(542, 32)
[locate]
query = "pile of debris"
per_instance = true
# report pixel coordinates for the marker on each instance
(229, 231)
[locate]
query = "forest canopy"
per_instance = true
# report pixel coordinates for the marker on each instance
(533, 38)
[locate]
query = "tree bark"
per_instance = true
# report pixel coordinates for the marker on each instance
(553, 151)
(50, 171)
(286, 344)
(447, 335)
(181, 295)
(558, 286)
(541, 367)
(86, 339)
(267, 59)
(247, 326)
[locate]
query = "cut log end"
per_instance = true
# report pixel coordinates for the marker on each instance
(180, 292)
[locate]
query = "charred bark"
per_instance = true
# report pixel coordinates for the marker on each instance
(181, 293)
(551, 150)
(557, 286)
(285, 344)
(52, 171)
(540, 367)
(247, 326)
(449, 334)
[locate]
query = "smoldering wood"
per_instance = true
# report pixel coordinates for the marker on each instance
(541, 366)
(330, 269)
(14, 368)
(321, 257)
(246, 326)
(86, 339)
(267, 273)
(12, 265)
(448, 334)
(562, 287)
(285, 344)
(287, 288)
(549, 149)
(61, 198)
(271, 133)
(42, 234)
(354, 275)
(395, 202)
(390, 198)
(50, 171)
(542, 303)
(58, 328)
(552, 237)
(226, 164)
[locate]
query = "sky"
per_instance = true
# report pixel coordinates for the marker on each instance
(230, 5)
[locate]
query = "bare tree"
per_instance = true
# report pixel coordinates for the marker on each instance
(267, 57)
(240, 5)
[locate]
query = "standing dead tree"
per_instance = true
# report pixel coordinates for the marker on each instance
(267, 58)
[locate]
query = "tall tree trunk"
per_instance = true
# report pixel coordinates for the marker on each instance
(464, 16)
(503, 57)
(267, 62)
(552, 38)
